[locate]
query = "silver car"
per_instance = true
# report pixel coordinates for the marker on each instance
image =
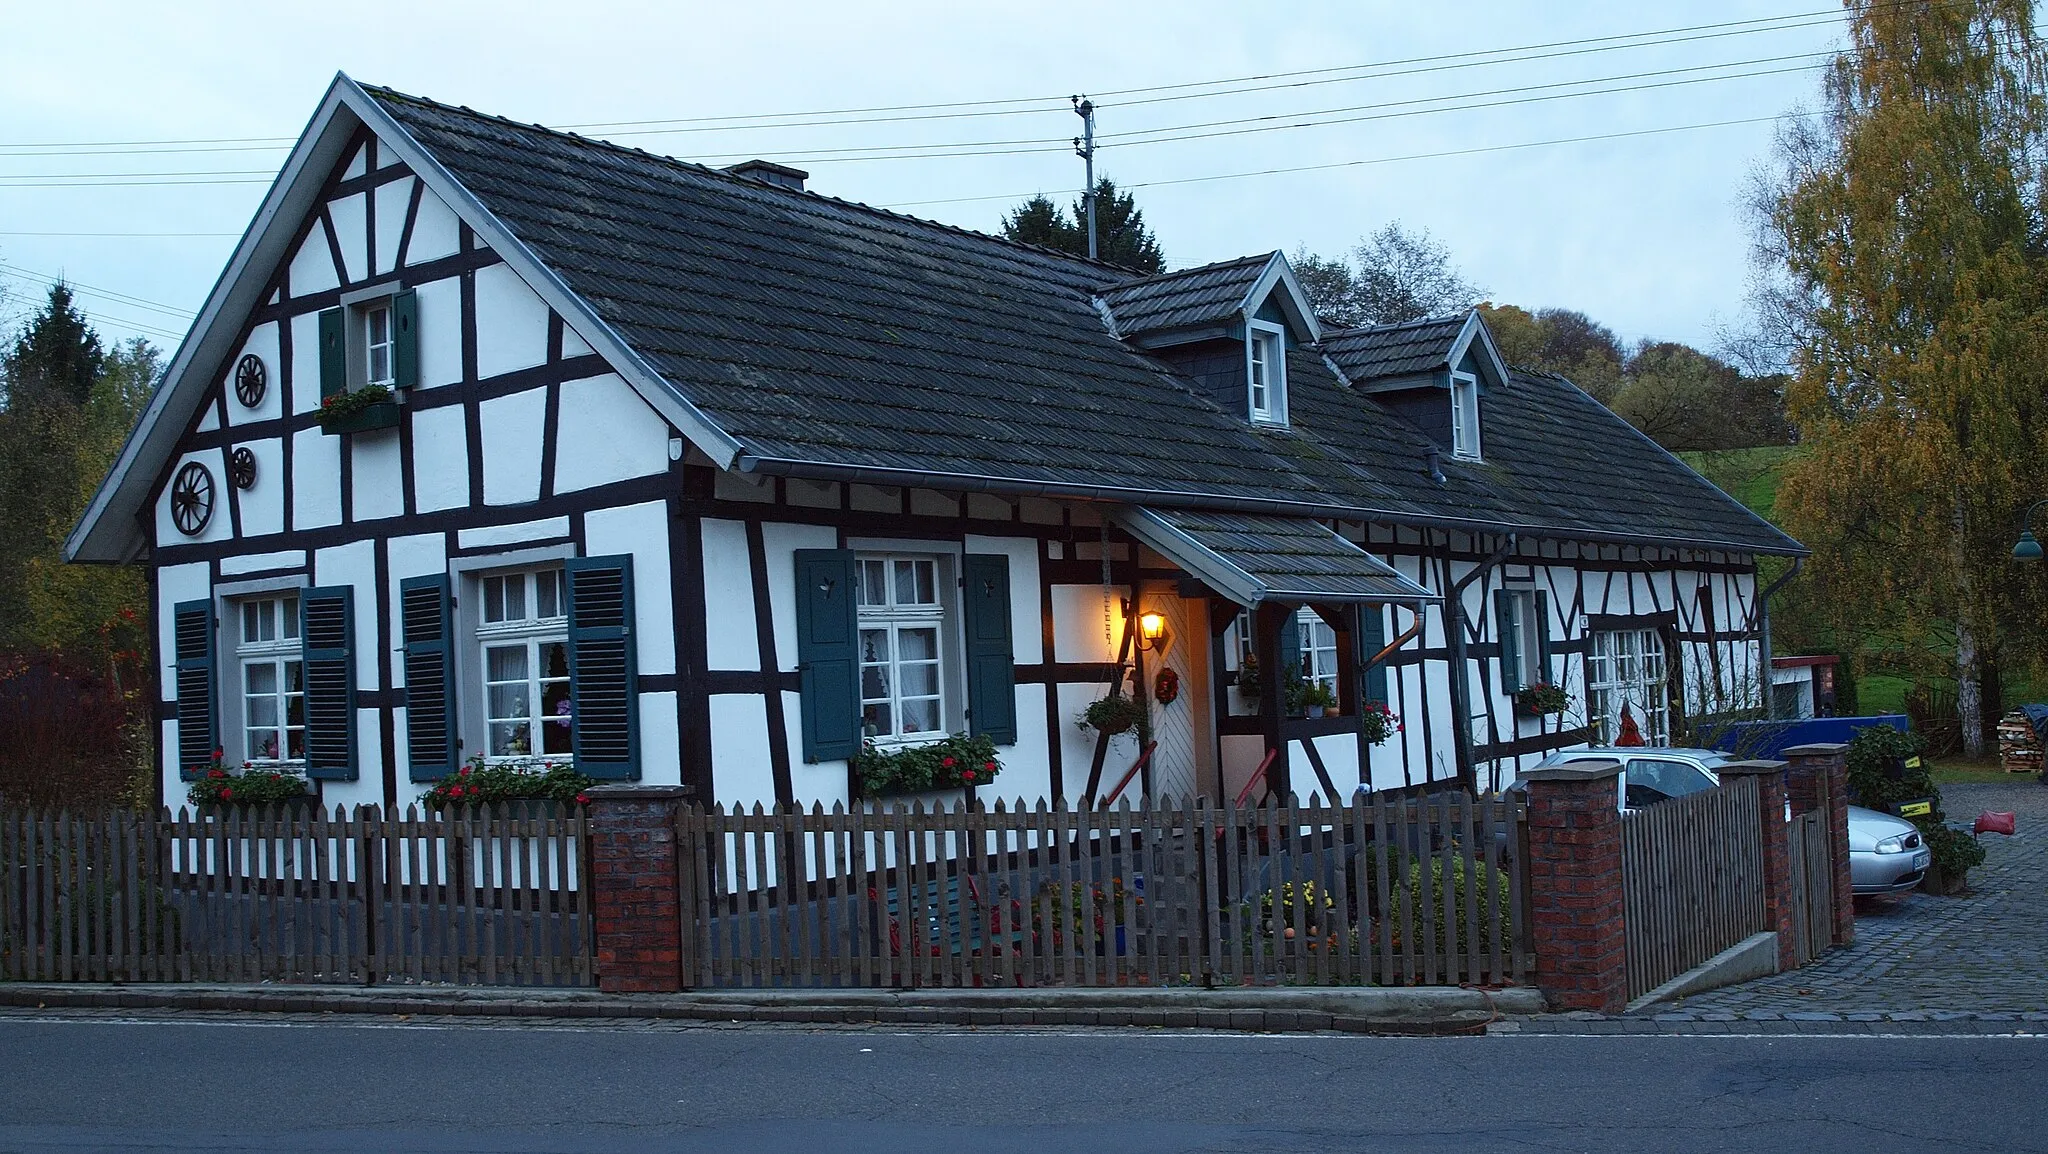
(1887, 855)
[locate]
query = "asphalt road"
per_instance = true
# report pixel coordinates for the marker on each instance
(105, 1084)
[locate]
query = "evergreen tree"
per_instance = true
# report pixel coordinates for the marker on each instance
(1902, 234)
(1121, 237)
(56, 353)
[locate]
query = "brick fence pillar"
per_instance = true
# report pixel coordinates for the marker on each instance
(635, 883)
(1574, 879)
(1777, 859)
(1818, 781)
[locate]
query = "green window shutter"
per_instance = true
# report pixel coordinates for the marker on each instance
(405, 325)
(1373, 635)
(1510, 641)
(603, 669)
(192, 631)
(828, 653)
(327, 629)
(991, 658)
(427, 629)
(1542, 638)
(333, 353)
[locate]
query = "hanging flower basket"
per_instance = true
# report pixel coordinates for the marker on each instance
(1114, 714)
(1378, 723)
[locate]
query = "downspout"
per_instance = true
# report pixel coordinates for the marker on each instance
(1764, 610)
(1461, 697)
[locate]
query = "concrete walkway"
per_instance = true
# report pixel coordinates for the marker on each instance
(1982, 956)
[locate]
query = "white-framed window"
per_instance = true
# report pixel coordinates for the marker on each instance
(1318, 649)
(1266, 371)
(523, 634)
(1465, 416)
(1523, 633)
(271, 680)
(1626, 667)
(380, 344)
(902, 629)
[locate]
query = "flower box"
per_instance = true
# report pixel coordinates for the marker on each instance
(381, 415)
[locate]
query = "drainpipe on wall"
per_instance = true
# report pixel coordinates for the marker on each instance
(1764, 610)
(1461, 694)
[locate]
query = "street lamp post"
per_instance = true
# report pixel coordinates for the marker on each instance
(2027, 548)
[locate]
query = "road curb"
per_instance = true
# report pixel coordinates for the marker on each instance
(1430, 1011)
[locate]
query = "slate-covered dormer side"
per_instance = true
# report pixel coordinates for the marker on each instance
(693, 477)
(1435, 373)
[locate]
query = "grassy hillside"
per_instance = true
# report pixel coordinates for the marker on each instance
(1750, 476)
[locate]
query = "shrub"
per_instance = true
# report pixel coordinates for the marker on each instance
(1883, 772)
(479, 783)
(72, 736)
(953, 763)
(1406, 894)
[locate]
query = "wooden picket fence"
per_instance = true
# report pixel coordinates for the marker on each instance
(1692, 880)
(1158, 894)
(290, 895)
(1810, 868)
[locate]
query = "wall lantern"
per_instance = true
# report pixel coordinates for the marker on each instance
(1151, 631)
(2027, 548)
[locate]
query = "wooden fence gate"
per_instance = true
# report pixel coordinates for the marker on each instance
(1810, 865)
(1692, 880)
(296, 896)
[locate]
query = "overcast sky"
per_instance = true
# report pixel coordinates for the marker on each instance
(1643, 232)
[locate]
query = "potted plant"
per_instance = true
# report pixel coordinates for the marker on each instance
(1542, 699)
(1248, 677)
(482, 783)
(220, 788)
(956, 762)
(1378, 723)
(1115, 713)
(1318, 697)
(359, 410)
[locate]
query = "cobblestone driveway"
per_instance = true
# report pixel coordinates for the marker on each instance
(1922, 958)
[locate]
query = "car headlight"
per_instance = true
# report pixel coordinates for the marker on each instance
(1894, 844)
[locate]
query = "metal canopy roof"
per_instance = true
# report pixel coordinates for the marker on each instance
(1250, 559)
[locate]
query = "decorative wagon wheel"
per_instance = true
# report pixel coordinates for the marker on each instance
(192, 499)
(251, 379)
(242, 468)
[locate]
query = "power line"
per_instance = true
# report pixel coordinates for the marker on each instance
(125, 235)
(5, 183)
(103, 315)
(108, 294)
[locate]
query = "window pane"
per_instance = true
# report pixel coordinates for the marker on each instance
(507, 700)
(877, 720)
(917, 645)
(918, 679)
(927, 583)
(874, 582)
(288, 610)
(554, 660)
(380, 325)
(508, 739)
(547, 594)
(921, 716)
(494, 599)
(380, 364)
(260, 677)
(505, 663)
(252, 620)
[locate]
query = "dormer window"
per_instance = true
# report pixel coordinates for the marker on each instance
(1465, 416)
(1266, 372)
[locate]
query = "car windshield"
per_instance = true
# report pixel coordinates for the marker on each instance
(1652, 779)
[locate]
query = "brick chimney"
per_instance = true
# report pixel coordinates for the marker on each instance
(769, 172)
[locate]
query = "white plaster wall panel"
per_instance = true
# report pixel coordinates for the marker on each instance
(436, 232)
(167, 766)
(219, 526)
(823, 782)
(350, 232)
(1077, 745)
(417, 555)
(263, 502)
(730, 638)
(262, 562)
(440, 459)
(392, 198)
(305, 362)
(512, 429)
(312, 267)
(574, 345)
(1039, 511)
(1027, 633)
(1241, 754)
(661, 750)
(1027, 766)
(987, 507)
(876, 499)
(262, 344)
(209, 417)
(516, 533)
(739, 749)
(358, 163)
(368, 787)
(931, 503)
(355, 565)
(1077, 623)
(440, 333)
(511, 323)
(1339, 752)
(316, 479)
(606, 433)
(642, 531)
(374, 473)
(780, 543)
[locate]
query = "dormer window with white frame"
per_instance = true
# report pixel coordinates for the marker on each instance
(1266, 372)
(1465, 416)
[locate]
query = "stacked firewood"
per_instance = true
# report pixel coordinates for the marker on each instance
(2019, 748)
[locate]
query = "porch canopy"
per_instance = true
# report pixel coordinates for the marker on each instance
(1251, 559)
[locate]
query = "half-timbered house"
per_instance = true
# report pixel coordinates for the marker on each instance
(496, 441)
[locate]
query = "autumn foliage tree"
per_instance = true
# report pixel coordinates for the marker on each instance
(1901, 239)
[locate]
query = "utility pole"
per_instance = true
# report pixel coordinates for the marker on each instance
(1084, 147)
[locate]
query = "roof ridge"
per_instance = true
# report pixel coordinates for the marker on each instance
(384, 92)
(1390, 326)
(1154, 278)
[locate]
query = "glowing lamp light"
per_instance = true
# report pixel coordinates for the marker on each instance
(1151, 630)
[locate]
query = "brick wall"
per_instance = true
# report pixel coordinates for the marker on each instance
(1574, 876)
(1818, 780)
(635, 888)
